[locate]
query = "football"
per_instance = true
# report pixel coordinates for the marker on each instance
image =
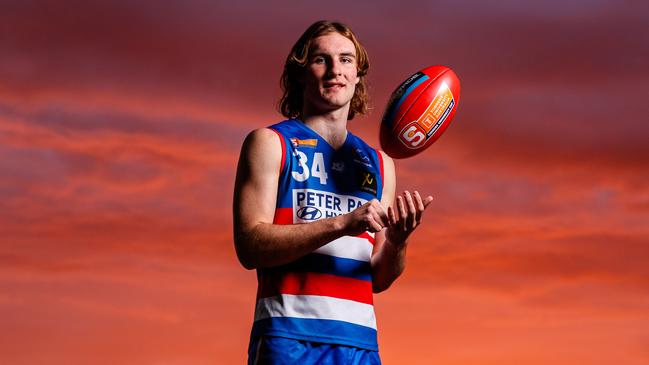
(419, 111)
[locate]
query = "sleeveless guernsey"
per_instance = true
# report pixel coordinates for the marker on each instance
(325, 296)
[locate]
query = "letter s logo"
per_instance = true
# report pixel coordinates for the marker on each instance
(412, 137)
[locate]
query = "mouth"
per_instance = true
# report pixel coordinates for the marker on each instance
(333, 85)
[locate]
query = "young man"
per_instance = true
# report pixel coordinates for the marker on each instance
(313, 212)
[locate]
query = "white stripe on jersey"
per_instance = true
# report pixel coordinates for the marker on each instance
(315, 306)
(348, 247)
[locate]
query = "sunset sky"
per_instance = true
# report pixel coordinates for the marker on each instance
(120, 129)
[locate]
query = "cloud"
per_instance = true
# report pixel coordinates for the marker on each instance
(462, 325)
(120, 126)
(151, 55)
(522, 262)
(113, 179)
(122, 308)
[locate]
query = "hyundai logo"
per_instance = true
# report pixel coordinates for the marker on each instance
(309, 213)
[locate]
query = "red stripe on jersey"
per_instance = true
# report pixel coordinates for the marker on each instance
(367, 236)
(283, 216)
(310, 283)
(281, 140)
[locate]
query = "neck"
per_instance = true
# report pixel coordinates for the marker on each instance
(331, 126)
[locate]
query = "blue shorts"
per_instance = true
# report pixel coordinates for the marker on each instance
(279, 350)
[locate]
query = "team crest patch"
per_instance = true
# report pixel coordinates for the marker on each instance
(367, 182)
(313, 143)
(338, 166)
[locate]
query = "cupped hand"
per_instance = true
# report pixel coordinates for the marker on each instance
(406, 216)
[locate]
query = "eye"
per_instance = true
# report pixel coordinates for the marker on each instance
(319, 60)
(346, 60)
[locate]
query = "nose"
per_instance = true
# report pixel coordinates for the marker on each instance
(334, 68)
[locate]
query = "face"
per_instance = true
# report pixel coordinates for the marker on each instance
(331, 73)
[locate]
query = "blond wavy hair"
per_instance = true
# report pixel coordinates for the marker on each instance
(291, 103)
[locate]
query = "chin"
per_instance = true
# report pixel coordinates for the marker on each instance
(325, 103)
(333, 105)
(337, 100)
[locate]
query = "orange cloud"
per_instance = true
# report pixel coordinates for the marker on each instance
(120, 126)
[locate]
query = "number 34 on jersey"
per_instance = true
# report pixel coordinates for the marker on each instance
(317, 168)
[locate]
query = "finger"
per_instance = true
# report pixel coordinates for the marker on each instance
(420, 207)
(410, 204)
(380, 210)
(376, 217)
(402, 213)
(391, 217)
(418, 201)
(427, 201)
(373, 225)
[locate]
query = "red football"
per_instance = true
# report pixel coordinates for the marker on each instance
(419, 111)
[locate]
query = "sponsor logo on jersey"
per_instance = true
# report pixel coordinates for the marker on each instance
(367, 182)
(338, 166)
(311, 204)
(309, 213)
(361, 158)
(313, 143)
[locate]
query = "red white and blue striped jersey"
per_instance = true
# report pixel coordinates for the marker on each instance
(325, 296)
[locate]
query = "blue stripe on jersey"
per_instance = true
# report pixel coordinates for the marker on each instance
(315, 330)
(325, 264)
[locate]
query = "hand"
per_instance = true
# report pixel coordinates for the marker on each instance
(370, 217)
(410, 208)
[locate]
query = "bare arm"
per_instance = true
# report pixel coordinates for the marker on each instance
(389, 258)
(259, 242)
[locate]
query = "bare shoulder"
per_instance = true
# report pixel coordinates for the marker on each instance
(255, 188)
(262, 147)
(264, 138)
